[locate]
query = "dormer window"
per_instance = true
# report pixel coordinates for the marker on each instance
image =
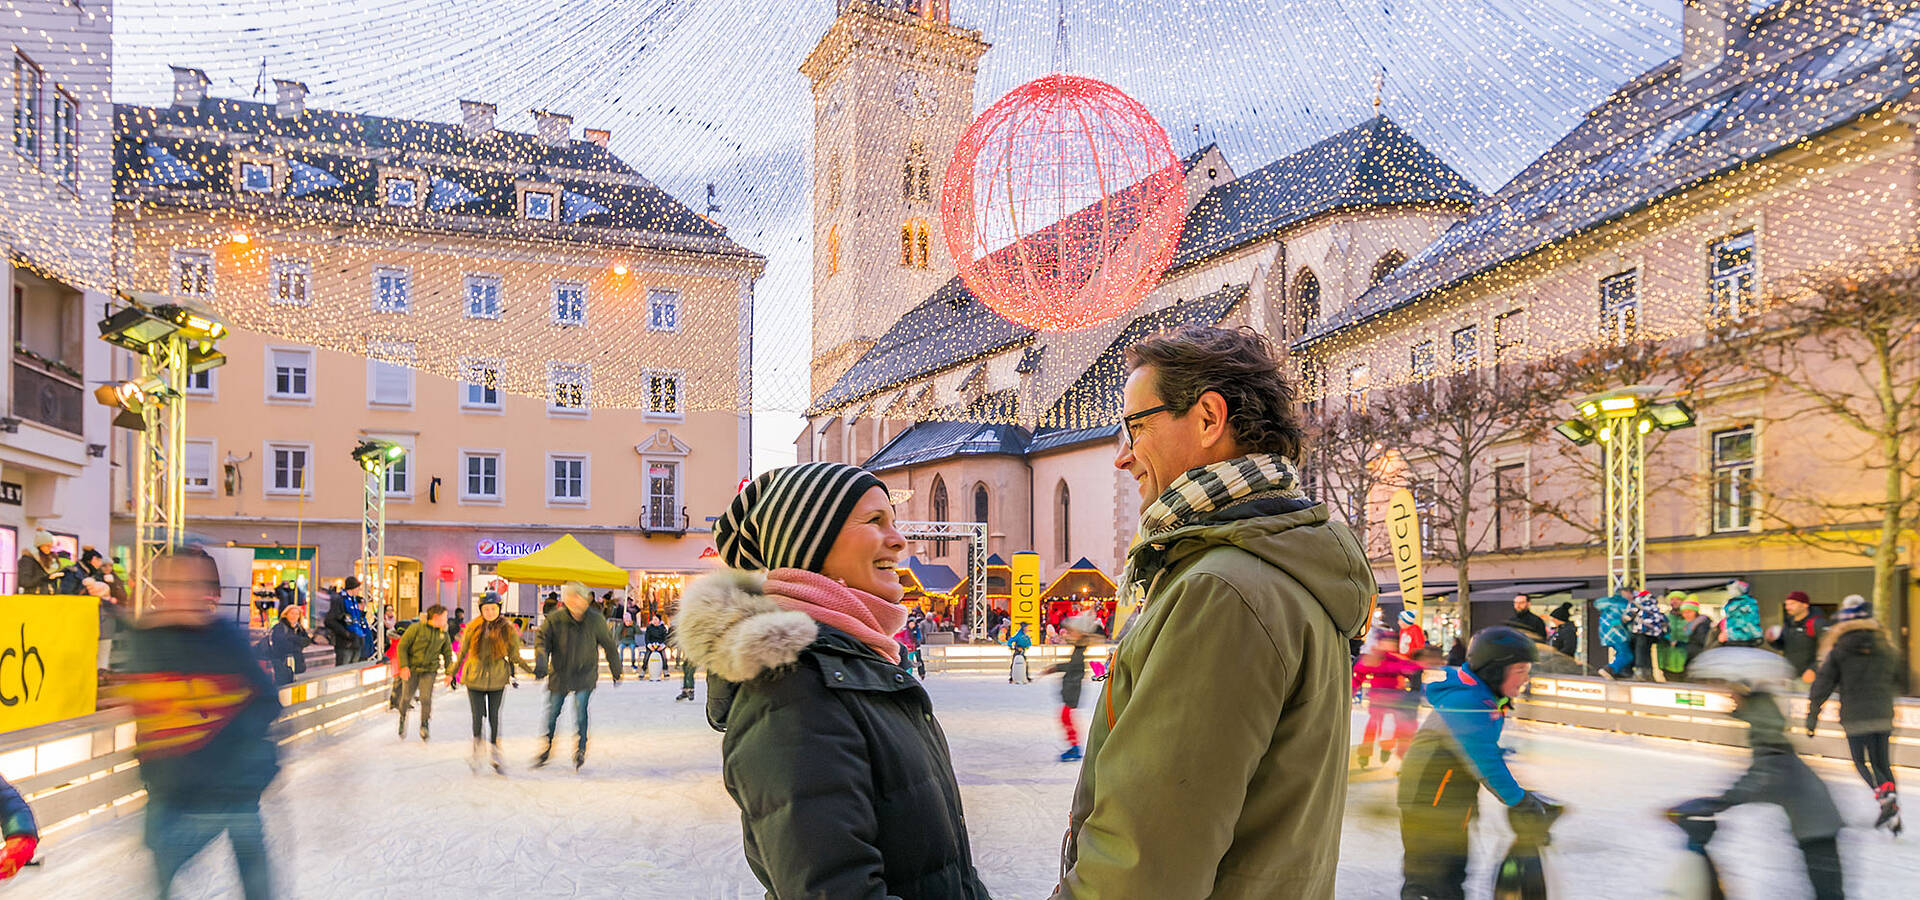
(257, 178)
(403, 192)
(537, 205)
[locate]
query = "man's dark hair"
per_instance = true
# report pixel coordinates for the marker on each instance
(1239, 365)
(433, 610)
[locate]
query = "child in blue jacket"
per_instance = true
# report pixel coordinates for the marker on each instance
(17, 825)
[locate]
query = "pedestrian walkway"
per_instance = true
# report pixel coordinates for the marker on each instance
(362, 814)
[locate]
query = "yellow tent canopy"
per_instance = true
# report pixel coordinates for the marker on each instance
(562, 561)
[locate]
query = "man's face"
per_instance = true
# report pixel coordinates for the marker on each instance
(1163, 445)
(1520, 603)
(1795, 608)
(437, 620)
(185, 583)
(575, 603)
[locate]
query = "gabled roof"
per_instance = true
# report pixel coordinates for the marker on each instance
(1092, 402)
(1374, 163)
(1794, 77)
(934, 578)
(185, 155)
(928, 441)
(945, 330)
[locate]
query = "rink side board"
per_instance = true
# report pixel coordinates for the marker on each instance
(49, 654)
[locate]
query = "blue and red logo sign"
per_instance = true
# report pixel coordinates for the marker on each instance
(488, 548)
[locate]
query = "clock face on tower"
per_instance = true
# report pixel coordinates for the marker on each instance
(916, 94)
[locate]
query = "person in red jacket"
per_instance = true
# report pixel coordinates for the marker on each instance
(1391, 680)
(1413, 638)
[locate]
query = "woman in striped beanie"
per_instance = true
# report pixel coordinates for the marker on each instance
(842, 774)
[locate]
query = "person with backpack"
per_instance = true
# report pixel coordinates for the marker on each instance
(1798, 636)
(1740, 622)
(1858, 662)
(339, 627)
(1647, 622)
(421, 652)
(1610, 612)
(489, 652)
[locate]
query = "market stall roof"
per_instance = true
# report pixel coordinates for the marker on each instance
(562, 561)
(934, 578)
(1082, 574)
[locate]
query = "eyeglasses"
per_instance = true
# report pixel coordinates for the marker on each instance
(1127, 421)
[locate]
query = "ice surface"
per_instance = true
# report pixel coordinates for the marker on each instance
(363, 814)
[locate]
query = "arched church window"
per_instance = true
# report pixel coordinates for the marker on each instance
(1307, 298)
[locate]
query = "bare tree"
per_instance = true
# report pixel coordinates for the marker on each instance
(1349, 454)
(1457, 422)
(1845, 344)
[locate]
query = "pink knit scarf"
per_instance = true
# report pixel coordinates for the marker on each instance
(871, 620)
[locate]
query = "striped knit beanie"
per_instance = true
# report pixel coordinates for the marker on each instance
(788, 518)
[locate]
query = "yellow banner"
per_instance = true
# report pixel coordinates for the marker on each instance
(1024, 606)
(1403, 526)
(49, 653)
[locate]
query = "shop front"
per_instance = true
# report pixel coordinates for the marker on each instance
(661, 566)
(273, 567)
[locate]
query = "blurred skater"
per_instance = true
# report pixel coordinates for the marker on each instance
(339, 626)
(1776, 775)
(1859, 663)
(18, 828)
(489, 652)
(1455, 752)
(568, 639)
(421, 652)
(202, 711)
(1391, 680)
(1079, 630)
(1610, 614)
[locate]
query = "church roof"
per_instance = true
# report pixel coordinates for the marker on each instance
(934, 440)
(1792, 78)
(1374, 163)
(948, 328)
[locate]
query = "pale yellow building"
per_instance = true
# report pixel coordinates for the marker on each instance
(560, 345)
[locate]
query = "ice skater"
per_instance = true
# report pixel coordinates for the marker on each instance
(489, 652)
(1455, 752)
(1391, 680)
(1610, 615)
(1019, 642)
(1858, 661)
(22, 835)
(566, 642)
(421, 652)
(1073, 673)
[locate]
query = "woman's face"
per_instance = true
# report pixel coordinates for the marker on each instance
(867, 552)
(489, 612)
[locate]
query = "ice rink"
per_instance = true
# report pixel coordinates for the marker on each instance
(364, 814)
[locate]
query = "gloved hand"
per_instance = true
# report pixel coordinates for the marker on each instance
(1697, 808)
(17, 853)
(1535, 807)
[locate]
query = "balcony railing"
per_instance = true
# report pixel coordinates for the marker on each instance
(44, 394)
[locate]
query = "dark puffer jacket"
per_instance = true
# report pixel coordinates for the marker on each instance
(1858, 662)
(832, 753)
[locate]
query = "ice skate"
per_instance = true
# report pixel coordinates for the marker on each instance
(423, 731)
(403, 726)
(579, 757)
(499, 766)
(1889, 809)
(546, 752)
(1072, 753)
(473, 759)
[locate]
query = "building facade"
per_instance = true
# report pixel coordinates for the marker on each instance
(560, 346)
(56, 201)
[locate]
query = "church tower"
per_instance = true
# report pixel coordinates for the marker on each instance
(892, 93)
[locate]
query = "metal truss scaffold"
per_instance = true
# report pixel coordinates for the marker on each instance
(160, 466)
(373, 549)
(975, 534)
(1626, 510)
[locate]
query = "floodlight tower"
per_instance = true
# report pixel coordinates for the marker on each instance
(1620, 420)
(375, 458)
(172, 337)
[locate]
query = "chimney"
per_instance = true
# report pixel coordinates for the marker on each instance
(289, 98)
(1708, 30)
(189, 86)
(476, 120)
(554, 129)
(598, 137)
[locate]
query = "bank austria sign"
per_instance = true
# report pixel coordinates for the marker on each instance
(490, 548)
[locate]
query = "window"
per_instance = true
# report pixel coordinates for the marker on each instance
(483, 296)
(1306, 294)
(392, 289)
(537, 205)
(1358, 381)
(1063, 526)
(1620, 306)
(256, 178)
(1424, 507)
(289, 374)
(402, 192)
(1466, 348)
(1509, 333)
(981, 502)
(390, 373)
(28, 84)
(1424, 358)
(1730, 269)
(569, 481)
(1509, 506)
(1733, 479)
(1388, 262)
(663, 393)
(915, 244)
(663, 495)
(200, 384)
(287, 469)
(480, 384)
(569, 303)
(940, 514)
(192, 273)
(66, 137)
(566, 388)
(663, 309)
(481, 476)
(289, 281)
(199, 463)
(916, 176)
(398, 482)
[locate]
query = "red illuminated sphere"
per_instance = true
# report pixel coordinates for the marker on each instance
(1063, 204)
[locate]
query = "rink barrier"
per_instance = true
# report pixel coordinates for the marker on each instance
(999, 658)
(75, 770)
(1694, 712)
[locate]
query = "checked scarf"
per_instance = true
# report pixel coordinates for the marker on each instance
(1216, 486)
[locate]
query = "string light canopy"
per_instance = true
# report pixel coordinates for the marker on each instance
(1063, 203)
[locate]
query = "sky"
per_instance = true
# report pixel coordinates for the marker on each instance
(708, 91)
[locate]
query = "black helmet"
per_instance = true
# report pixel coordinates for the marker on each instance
(1496, 648)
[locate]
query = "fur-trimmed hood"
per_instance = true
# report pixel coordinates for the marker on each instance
(1839, 630)
(730, 627)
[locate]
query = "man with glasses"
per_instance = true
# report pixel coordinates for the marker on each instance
(1216, 766)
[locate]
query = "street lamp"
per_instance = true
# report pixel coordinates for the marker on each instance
(1620, 420)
